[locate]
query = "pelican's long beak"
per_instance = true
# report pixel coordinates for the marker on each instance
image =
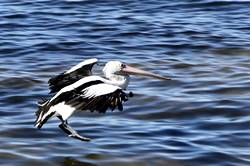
(135, 71)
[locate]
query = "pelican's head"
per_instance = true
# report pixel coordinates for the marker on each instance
(112, 68)
(118, 70)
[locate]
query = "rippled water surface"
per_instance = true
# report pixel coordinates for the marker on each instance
(201, 117)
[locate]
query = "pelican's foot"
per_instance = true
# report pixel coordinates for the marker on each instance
(80, 138)
(72, 133)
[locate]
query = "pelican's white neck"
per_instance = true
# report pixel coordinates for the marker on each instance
(118, 80)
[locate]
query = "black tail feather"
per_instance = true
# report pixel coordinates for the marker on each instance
(42, 109)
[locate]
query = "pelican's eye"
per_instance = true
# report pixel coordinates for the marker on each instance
(123, 66)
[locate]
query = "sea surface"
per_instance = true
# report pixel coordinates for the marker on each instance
(199, 118)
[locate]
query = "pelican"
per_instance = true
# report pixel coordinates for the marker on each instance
(77, 89)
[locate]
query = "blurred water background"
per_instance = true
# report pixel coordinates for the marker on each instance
(200, 118)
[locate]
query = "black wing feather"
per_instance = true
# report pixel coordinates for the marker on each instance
(73, 95)
(76, 98)
(100, 103)
(64, 79)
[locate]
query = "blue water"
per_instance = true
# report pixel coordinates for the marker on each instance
(201, 117)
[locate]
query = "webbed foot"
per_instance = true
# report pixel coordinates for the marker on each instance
(72, 133)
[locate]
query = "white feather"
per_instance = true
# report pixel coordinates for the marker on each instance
(83, 63)
(99, 89)
(62, 109)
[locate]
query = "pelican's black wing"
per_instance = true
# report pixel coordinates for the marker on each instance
(72, 75)
(93, 96)
(66, 94)
(100, 98)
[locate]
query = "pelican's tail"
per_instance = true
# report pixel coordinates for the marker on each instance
(42, 113)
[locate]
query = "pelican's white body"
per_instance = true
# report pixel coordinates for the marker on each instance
(62, 109)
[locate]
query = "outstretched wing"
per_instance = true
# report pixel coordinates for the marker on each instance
(97, 97)
(72, 75)
(64, 95)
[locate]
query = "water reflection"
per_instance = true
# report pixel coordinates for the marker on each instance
(70, 161)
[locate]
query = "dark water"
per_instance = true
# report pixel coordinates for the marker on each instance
(202, 117)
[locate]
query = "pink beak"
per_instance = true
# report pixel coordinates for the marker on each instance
(135, 71)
